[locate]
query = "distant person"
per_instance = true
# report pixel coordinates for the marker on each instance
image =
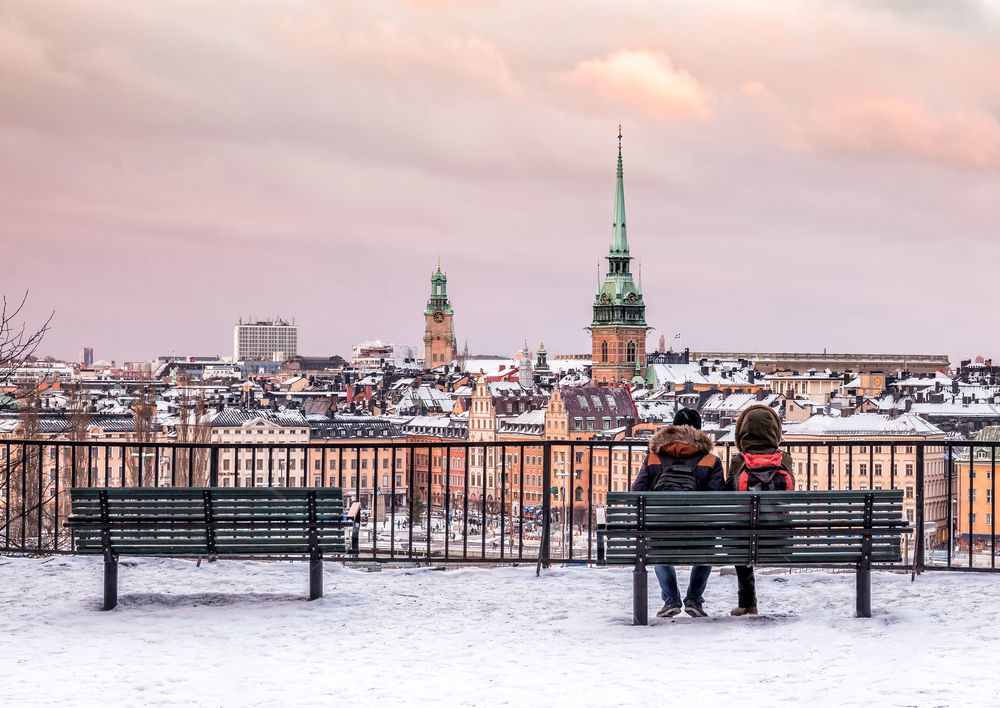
(680, 459)
(759, 466)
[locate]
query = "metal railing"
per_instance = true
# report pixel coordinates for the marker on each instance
(502, 502)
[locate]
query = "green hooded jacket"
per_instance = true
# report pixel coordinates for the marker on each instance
(758, 431)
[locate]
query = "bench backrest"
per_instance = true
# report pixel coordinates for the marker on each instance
(723, 528)
(208, 520)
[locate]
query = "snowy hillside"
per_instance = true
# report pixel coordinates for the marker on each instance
(242, 634)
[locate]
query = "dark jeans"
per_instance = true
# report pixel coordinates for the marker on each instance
(747, 589)
(667, 577)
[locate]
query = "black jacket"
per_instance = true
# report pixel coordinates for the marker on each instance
(681, 442)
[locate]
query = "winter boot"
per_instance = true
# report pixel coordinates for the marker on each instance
(694, 609)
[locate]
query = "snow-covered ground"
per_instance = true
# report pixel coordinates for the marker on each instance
(241, 634)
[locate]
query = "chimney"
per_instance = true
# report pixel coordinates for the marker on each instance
(761, 394)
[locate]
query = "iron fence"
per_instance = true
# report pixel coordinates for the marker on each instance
(496, 502)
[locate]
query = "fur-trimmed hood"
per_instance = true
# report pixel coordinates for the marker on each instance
(680, 441)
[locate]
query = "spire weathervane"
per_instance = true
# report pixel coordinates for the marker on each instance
(619, 137)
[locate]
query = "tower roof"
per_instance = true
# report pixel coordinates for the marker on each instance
(619, 240)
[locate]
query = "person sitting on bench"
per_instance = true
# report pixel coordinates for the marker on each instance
(680, 459)
(759, 466)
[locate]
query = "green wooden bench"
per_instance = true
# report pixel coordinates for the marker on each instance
(820, 529)
(210, 522)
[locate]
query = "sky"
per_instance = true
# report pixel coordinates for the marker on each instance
(799, 176)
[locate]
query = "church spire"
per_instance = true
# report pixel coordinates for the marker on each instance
(619, 241)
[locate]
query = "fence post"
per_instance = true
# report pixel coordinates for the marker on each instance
(213, 475)
(918, 545)
(544, 546)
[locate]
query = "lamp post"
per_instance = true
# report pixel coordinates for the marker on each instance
(563, 474)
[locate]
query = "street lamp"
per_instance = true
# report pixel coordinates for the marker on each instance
(564, 474)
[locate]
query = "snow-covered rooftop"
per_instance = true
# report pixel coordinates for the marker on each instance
(860, 424)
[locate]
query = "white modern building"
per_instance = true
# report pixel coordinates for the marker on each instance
(374, 356)
(265, 341)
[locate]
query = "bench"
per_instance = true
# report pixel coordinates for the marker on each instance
(819, 529)
(210, 522)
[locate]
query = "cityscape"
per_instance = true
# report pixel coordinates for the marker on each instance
(764, 429)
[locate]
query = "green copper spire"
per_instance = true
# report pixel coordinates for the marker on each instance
(619, 241)
(618, 301)
(439, 293)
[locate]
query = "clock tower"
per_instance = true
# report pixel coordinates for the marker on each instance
(618, 330)
(439, 332)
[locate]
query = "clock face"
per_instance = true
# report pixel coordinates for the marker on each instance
(439, 317)
(631, 297)
(604, 297)
(876, 381)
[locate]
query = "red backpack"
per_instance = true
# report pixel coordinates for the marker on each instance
(763, 473)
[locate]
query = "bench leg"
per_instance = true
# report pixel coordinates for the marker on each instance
(640, 595)
(864, 590)
(110, 584)
(315, 577)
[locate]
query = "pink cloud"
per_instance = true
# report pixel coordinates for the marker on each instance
(392, 52)
(647, 80)
(897, 128)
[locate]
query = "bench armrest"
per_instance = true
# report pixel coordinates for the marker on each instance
(602, 522)
(355, 511)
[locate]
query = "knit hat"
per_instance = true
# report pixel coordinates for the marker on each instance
(688, 416)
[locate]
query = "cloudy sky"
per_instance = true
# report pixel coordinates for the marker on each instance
(799, 175)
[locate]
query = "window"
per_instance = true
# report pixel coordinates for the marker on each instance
(989, 496)
(909, 515)
(989, 519)
(878, 469)
(364, 464)
(225, 465)
(399, 463)
(354, 464)
(318, 465)
(354, 480)
(909, 492)
(364, 481)
(578, 424)
(579, 457)
(973, 519)
(385, 480)
(630, 353)
(260, 464)
(604, 351)
(579, 494)
(863, 469)
(590, 423)
(333, 465)
(607, 423)
(909, 469)
(877, 449)
(909, 449)
(291, 464)
(399, 480)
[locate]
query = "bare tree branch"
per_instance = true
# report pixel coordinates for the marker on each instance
(17, 343)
